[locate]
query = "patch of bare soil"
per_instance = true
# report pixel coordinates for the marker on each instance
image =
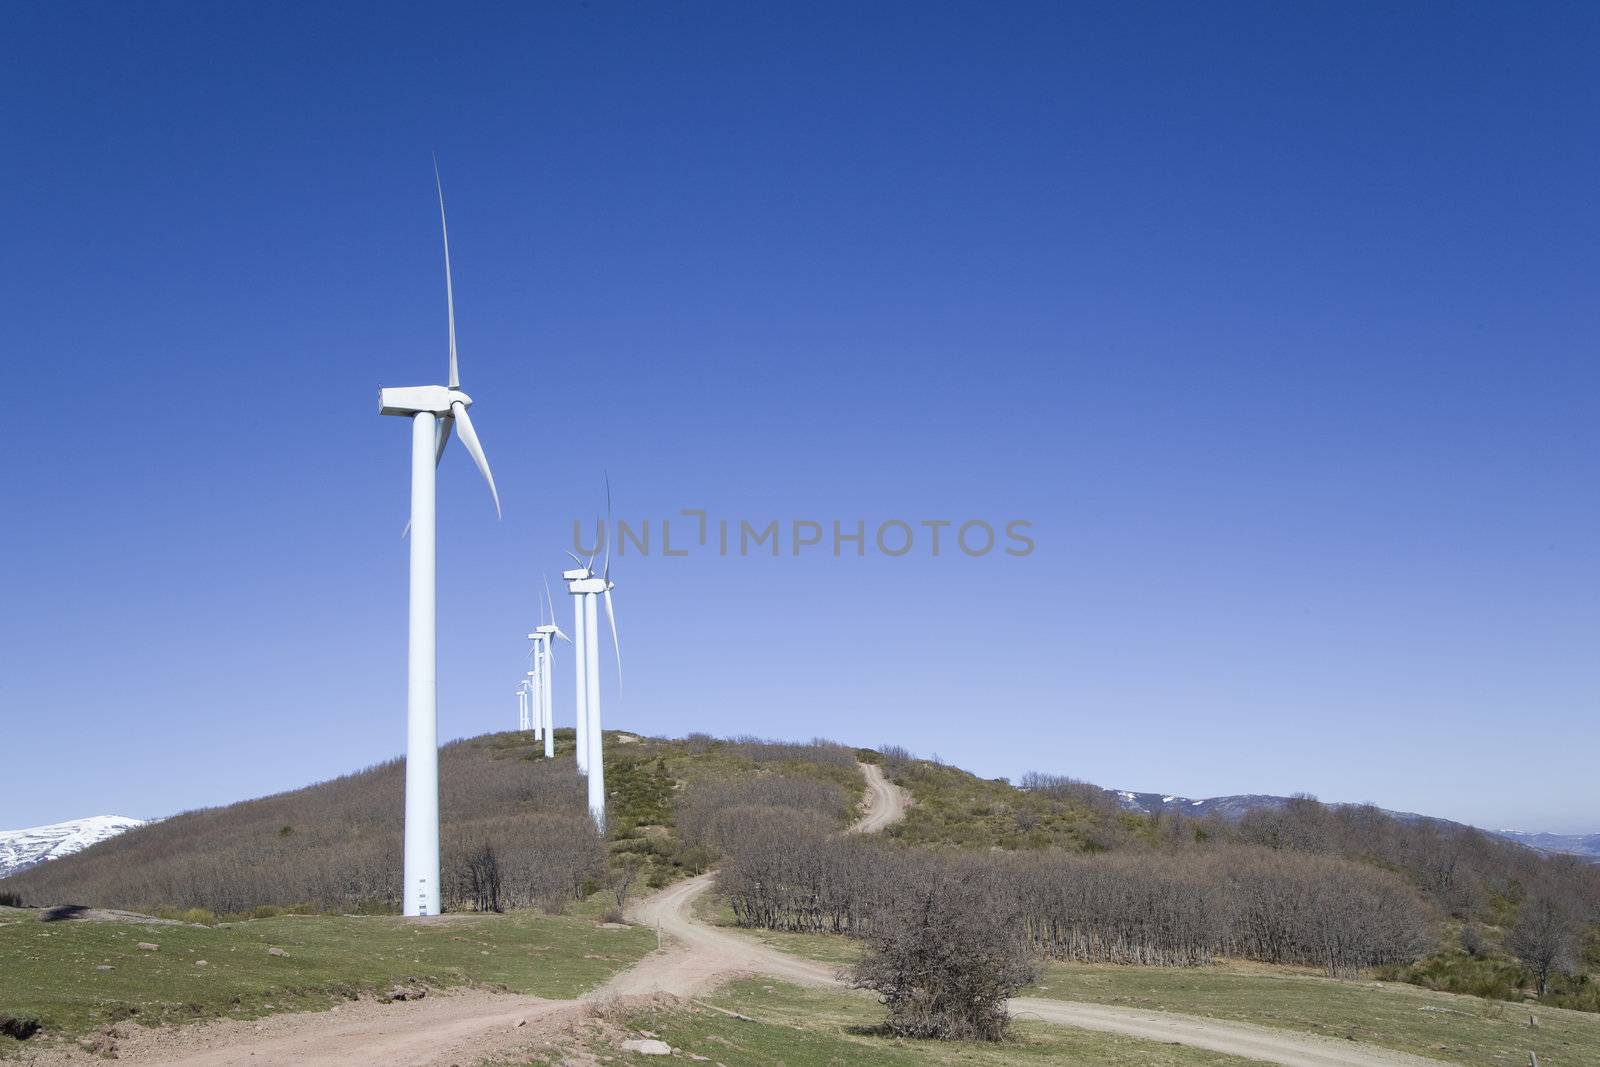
(443, 1028)
(79, 913)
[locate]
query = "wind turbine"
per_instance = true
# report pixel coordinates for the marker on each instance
(433, 410)
(585, 587)
(545, 662)
(522, 707)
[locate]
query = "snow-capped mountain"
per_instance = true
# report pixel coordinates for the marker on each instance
(21, 849)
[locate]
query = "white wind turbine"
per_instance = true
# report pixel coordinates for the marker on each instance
(433, 410)
(585, 587)
(544, 662)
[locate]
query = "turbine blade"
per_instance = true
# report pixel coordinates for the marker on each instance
(441, 436)
(610, 527)
(449, 287)
(563, 636)
(548, 602)
(469, 438)
(615, 645)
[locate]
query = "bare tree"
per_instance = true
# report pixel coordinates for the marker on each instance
(483, 878)
(624, 873)
(1545, 936)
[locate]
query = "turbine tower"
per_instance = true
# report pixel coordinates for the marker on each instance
(544, 662)
(580, 671)
(585, 586)
(433, 410)
(522, 707)
(551, 632)
(532, 706)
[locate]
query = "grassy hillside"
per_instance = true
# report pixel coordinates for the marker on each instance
(334, 846)
(77, 976)
(956, 808)
(1477, 886)
(1443, 1026)
(1455, 1029)
(1102, 882)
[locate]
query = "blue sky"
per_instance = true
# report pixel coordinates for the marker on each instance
(1276, 321)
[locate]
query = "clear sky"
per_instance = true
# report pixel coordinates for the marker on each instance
(1276, 321)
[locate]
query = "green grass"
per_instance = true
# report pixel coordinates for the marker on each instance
(798, 1027)
(1495, 974)
(50, 970)
(1442, 1026)
(644, 778)
(792, 1026)
(952, 807)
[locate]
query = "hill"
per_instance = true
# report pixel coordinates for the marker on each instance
(1237, 806)
(21, 849)
(506, 813)
(1587, 845)
(1092, 878)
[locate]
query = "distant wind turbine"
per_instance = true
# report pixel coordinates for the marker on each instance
(545, 663)
(585, 586)
(433, 410)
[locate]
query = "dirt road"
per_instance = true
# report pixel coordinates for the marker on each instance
(465, 1027)
(886, 802)
(705, 955)
(1239, 1039)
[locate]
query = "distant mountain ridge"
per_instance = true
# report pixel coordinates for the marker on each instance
(21, 849)
(1573, 844)
(1233, 808)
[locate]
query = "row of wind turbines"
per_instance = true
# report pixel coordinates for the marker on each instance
(434, 410)
(535, 699)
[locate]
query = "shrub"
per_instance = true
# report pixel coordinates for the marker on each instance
(945, 956)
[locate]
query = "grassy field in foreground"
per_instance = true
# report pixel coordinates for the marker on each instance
(1442, 1026)
(76, 976)
(790, 1026)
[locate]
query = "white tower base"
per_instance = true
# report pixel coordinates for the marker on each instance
(580, 676)
(420, 889)
(591, 663)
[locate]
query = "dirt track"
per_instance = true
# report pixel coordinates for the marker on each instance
(461, 1028)
(886, 802)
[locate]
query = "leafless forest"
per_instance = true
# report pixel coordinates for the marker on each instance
(336, 845)
(1162, 908)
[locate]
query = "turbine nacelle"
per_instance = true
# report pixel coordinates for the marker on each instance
(581, 585)
(413, 399)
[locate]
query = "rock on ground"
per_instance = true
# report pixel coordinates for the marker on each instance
(647, 1047)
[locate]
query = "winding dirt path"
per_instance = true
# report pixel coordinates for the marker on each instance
(703, 956)
(464, 1027)
(886, 802)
